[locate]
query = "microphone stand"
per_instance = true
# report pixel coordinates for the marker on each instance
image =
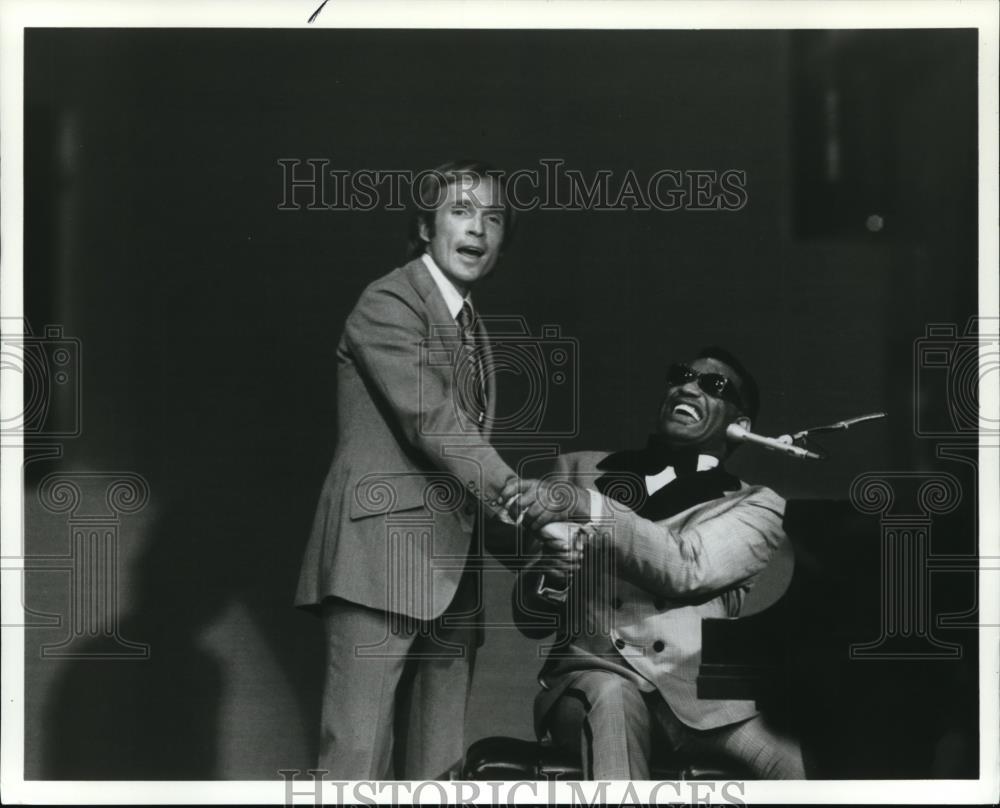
(839, 425)
(794, 445)
(799, 438)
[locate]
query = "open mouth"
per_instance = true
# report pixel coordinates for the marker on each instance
(687, 413)
(471, 252)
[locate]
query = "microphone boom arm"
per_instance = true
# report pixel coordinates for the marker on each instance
(839, 425)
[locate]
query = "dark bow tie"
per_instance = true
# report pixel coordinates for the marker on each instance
(623, 472)
(661, 454)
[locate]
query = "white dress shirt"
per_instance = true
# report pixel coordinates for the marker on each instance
(654, 482)
(452, 298)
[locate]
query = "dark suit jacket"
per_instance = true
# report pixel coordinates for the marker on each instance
(411, 469)
(636, 608)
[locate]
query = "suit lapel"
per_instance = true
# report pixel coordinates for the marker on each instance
(687, 491)
(444, 327)
(441, 321)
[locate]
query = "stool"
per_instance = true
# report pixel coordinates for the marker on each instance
(500, 758)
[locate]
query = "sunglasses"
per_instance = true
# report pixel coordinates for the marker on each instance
(715, 384)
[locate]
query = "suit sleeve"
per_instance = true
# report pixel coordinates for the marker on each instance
(697, 558)
(385, 335)
(538, 606)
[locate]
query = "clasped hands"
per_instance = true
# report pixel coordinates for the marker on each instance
(554, 511)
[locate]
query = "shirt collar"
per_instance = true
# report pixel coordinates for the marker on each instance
(654, 482)
(706, 462)
(452, 299)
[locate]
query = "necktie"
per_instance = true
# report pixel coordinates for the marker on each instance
(469, 373)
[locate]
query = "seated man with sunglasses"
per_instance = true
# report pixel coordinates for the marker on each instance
(638, 547)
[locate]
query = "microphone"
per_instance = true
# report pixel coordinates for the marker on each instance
(737, 433)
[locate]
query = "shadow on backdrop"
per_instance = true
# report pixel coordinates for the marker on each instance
(214, 542)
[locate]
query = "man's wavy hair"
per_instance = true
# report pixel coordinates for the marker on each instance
(749, 392)
(429, 193)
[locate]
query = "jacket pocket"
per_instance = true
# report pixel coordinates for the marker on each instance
(390, 492)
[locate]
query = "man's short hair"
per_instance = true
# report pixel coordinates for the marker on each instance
(429, 193)
(749, 392)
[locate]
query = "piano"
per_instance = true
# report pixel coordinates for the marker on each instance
(887, 710)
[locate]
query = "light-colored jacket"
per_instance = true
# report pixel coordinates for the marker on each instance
(636, 606)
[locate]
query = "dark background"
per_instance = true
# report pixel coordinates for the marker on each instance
(207, 318)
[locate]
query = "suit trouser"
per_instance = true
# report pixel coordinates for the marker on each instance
(612, 722)
(395, 694)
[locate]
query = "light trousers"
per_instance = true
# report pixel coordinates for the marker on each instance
(611, 722)
(395, 694)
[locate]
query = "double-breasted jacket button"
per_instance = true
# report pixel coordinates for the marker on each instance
(617, 603)
(619, 643)
(658, 646)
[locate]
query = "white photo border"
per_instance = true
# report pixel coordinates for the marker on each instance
(17, 15)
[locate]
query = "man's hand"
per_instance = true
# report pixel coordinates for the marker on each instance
(536, 503)
(562, 549)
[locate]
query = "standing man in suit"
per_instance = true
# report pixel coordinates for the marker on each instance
(668, 537)
(412, 475)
